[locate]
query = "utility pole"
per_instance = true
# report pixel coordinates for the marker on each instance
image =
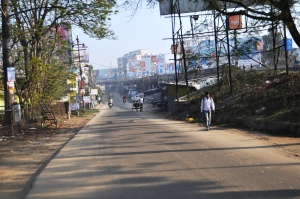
(81, 87)
(285, 50)
(6, 62)
(228, 52)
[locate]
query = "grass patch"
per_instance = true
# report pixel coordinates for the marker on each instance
(251, 97)
(86, 112)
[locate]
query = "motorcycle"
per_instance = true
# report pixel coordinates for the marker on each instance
(124, 100)
(162, 106)
(110, 105)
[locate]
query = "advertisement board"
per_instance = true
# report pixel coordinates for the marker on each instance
(11, 74)
(81, 55)
(289, 44)
(235, 22)
(190, 6)
(94, 91)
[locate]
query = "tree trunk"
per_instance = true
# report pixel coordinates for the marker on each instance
(6, 60)
(290, 24)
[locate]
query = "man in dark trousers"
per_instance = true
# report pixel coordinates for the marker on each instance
(207, 105)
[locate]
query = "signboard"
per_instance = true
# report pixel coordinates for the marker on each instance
(82, 91)
(94, 91)
(259, 45)
(78, 97)
(87, 99)
(189, 6)
(74, 106)
(289, 44)
(11, 75)
(102, 88)
(81, 55)
(153, 59)
(235, 22)
(11, 87)
(185, 6)
(16, 112)
(176, 49)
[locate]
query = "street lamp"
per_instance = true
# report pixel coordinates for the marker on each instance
(81, 89)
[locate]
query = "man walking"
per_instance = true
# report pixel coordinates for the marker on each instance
(207, 105)
(141, 101)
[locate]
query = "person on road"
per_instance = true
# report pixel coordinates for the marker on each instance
(124, 98)
(141, 101)
(98, 99)
(110, 101)
(207, 105)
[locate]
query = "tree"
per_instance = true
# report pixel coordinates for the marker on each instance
(6, 59)
(265, 11)
(36, 35)
(34, 24)
(268, 57)
(275, 11)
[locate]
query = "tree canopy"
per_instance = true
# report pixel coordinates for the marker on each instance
(264, 11)
(278, 11)
(37, 43)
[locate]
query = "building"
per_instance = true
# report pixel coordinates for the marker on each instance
(141, 63)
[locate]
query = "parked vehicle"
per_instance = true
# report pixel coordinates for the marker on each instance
(136, 106)
(110, 102)
(162, 106)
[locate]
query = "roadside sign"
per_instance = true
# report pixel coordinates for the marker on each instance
(82, 91)
(289, 44)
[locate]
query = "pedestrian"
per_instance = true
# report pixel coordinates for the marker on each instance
(98, 99)
(141, 101)
(207, 106)
(124, 98)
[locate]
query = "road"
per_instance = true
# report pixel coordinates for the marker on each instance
(140, 155)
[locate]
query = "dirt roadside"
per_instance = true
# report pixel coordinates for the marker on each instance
(25, 155)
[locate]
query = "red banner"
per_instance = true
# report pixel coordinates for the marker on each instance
(153, 59)
(235, 22)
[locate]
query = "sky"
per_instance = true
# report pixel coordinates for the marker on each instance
(145, 30)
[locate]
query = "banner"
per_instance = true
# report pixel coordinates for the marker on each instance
(11, 87)
(235, 22)
(82, 55)
(176, 49)
(168, 7)
(11, 74)
(259, 45)
(153, 59)
(289, 44)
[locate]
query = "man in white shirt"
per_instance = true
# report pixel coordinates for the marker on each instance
(110, 101)
(207, 105)
(141, 101)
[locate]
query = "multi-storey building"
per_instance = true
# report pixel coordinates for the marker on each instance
(141, 63)
(123, 62)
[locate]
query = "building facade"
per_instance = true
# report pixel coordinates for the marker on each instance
(141, 63)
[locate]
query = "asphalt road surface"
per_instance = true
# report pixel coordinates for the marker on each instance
(122, 154)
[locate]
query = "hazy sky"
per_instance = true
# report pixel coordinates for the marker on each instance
(145, 30)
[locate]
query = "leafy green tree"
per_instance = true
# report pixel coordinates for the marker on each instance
(36, 37)
(268, 57)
